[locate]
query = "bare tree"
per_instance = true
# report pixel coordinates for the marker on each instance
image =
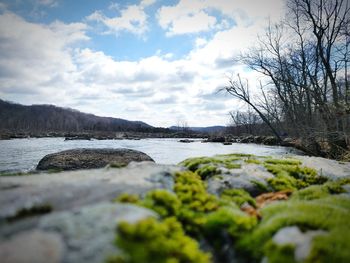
(240, 90)
(305, 59)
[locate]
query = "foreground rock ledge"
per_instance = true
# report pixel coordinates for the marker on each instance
(70, 216)
(90, 158)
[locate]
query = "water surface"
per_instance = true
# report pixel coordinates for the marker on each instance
(24, 154)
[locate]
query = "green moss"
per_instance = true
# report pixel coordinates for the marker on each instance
(118, 165)
(289, 175)
(222, 227)
(282, 182)
(13, 174)
(332, 247)
(127, 198)
(209, 166)
(238, 196)
(254, 161)
(329, 214)
(261, 186)
(158, 242)
(207, 171)
(196, 203)
(35, 210)
(286, 161)
(165, 203)
(279, 253)
(229, 165)
(193, 164)
(231, 220)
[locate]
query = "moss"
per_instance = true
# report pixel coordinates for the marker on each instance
(207, 171)
(158, 242)
(332, 247)
(218, 177)
(287, 161)
(223, 228)
(117, 165)
(209, 166)
(13, 174)
(127, 198)
(193, 164)
(238, 196)
(282, 182)
(234, 221)
(29, 212)
(165, 203)
(261, 186)
(195, 201)
(232, 165)
(279, 253)
(253, 161)
(289, 175)
(329, 213)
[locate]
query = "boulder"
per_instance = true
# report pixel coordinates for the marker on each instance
(90, 158)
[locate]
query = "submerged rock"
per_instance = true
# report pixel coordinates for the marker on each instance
(90, 158)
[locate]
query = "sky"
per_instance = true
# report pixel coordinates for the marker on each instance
(158, 61)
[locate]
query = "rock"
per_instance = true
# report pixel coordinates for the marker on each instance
(217, 139)
(329, 168)
(88, 233)
(78, 137)
(270, 140)
(186, 140)
(80, 226)
(32, 246)
(301, 240)
(90, 158)
(73, 189)
(247, 139)
(244, 177)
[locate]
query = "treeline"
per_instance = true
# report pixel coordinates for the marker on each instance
(15, 118)
(304, 62)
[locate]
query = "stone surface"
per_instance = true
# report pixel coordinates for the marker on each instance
(326, 167)
(88, 233)
(90, 158)
(243, 177)
(80, 226)
(32, 246)
(74, 189)
(301, 240)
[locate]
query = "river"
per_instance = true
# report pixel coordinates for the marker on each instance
(24, 154)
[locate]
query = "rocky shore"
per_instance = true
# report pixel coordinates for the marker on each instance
(226, 208)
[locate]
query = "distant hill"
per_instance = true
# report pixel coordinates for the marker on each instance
(210, 129)
(49, 118)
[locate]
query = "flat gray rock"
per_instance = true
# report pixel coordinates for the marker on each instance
(74, 189)
(32, 246)
(81, 235)
(90, 158)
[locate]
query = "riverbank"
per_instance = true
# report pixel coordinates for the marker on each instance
(225, 208)
(101, 135)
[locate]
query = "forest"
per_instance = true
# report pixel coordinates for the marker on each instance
(304, 91)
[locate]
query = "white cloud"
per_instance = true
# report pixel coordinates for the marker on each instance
(43, 64)
(49, 3)
(36, 57)
(195, 16)
(146, 3)
(132, 19)
(185, 17)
